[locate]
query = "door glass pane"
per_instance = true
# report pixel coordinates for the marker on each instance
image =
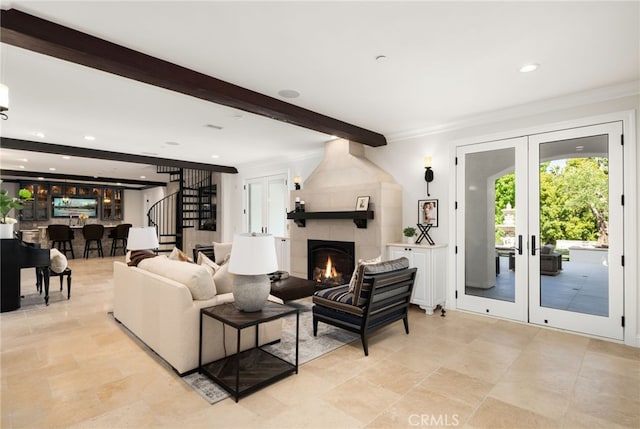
(574, 218)
(255, 207)
(490, 233)
(277, 204)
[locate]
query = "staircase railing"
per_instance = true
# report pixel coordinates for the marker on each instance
(180, 210)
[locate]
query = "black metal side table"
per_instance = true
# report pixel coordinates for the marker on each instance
(249, 370)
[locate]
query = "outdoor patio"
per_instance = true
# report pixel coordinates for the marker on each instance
(579, 287)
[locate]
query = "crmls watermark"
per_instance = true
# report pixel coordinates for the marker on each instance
(434, 420)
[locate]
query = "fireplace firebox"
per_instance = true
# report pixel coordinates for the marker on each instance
(330, 263)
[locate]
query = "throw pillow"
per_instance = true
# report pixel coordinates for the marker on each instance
(139, 255)
(58, 261)
(354, 276)
(221, 251)
(223, 279)
(195, 277)
(211, 266)
(178, 255)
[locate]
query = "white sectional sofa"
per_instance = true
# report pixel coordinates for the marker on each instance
(162, 313)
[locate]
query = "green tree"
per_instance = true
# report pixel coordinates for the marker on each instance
(586, 183)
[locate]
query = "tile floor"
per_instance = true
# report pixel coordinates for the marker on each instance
(69, 365)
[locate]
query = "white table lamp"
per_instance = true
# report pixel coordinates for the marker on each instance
(253, 256)
(142, 239)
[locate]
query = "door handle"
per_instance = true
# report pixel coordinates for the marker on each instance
(519, 248)
(533, 245)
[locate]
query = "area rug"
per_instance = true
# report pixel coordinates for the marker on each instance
(309, 347)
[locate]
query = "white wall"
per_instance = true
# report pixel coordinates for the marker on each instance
(403, 158)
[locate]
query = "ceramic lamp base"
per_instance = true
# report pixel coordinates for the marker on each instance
(250, 293)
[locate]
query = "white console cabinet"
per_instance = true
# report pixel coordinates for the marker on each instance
(429, 290)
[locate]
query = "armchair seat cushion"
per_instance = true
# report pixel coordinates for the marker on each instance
(338, 298)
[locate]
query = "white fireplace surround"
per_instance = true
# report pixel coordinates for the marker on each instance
(342, 176)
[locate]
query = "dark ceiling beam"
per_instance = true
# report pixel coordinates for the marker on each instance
(48, 38)
(31, 146)
(9, 174)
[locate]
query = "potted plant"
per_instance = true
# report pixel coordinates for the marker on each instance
(409, 232)
(7, 203)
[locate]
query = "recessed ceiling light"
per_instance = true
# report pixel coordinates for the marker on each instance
(579, 148)
(237, 116)
(529, 67)
(149, 153)
(40, 178)
(119, 184)
(52, 169)
(173, 143)
(288, 93)
(215, 127)
(89, 138)
(21, 166)
(143, 177)
(22, 159)
(38, 134)
(66, 157)
(215, 156)
(381, 58)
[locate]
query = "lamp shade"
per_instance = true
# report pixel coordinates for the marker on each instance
(428, 161)
(142, 238)
(253, 254)
(4, 97)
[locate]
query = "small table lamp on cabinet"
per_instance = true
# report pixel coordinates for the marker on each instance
(253, 256)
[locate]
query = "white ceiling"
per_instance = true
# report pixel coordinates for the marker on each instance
(446, 61)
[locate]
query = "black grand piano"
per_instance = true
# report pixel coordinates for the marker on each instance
(14, 255)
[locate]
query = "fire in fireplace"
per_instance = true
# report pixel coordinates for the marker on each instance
(330, 263)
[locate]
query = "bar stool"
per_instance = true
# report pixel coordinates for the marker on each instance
(93, 232)
(61, 235)
(119, 233)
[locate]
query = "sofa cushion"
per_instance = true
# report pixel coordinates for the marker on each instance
(221, 251)
(178, 255)
(195, 277)
(58, 261)
(547, 249)
(223, 279)
(211, 266)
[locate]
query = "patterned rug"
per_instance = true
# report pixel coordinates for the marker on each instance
(309, 347)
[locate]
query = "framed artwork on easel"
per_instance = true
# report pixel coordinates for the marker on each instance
(428, 212)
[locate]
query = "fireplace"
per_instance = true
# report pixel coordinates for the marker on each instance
(330, 263)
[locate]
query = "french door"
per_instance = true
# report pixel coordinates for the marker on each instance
(267, 204)
(485, 283)
(540, 229)
(587, 293)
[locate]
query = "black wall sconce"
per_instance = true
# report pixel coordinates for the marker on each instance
(296, 182)
(428, 172)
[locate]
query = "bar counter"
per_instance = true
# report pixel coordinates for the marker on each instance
(39, 235)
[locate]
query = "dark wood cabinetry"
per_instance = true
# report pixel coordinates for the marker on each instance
(110, 199)
(112, 204)
(38, 207)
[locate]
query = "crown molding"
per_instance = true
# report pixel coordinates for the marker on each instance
(597, 95)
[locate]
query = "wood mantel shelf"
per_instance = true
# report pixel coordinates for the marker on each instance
(359, 217)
